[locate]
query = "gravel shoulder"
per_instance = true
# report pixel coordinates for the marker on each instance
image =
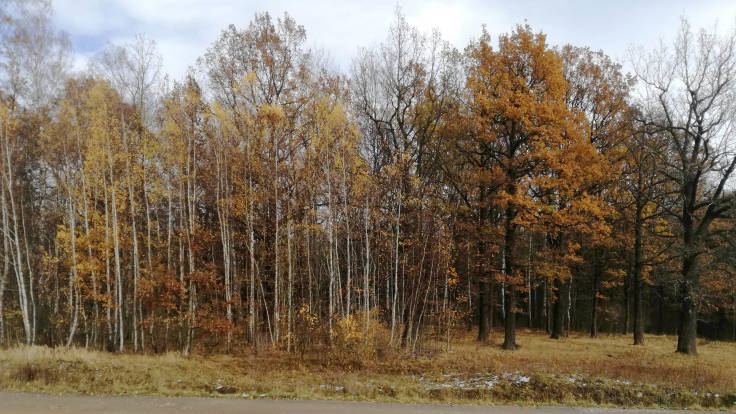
(32, 403)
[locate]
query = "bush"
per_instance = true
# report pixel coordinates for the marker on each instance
(306, 326)
(353, 344)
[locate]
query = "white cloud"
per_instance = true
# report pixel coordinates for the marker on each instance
(184, 29)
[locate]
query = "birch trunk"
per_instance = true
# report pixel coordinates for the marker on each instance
(116, 250)
(136, 263)
(73, 305)
(366, 269)
(110, 331)
(17, 253)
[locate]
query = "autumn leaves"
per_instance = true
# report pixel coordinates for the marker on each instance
(427, 190)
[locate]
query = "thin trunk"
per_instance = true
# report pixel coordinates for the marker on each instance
(529, 283)
(252, 263)
(85, 211)
(627, 294)
(149, 256)
(134, 236)
(396, 267)
(17, 260)
(191, 173)
(169, 223)
(348, 280)
(446, 309)
(308, 253)
(116, 250)
(276, 310)
(637, 276)
(330, 261)
(6, 267)
(290, 282)
(110, 331)
(509, 341)
(596, 280)
(545, 307)
(73, 305)
(30, 273)
(485, 292)
(222, 200)
(366, 269)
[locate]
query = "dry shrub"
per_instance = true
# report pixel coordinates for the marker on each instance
(355, 345)
(30, 372)
(306, 329)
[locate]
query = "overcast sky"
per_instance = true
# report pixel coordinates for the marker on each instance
(183, 29)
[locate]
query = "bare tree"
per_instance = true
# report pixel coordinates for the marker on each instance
(134, 71)
(34, 56)
(687, 95)
(401, 90)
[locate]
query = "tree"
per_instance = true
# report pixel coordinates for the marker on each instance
(600, 91)
(34, 56)
(134, 71)
(403, 91)
(543, 161)
(686, 97)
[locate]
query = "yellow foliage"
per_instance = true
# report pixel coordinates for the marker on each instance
(354, 344)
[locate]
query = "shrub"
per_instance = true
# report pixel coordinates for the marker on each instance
(306, 328)
(354, 344)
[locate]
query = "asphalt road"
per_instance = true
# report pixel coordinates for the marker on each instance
(32, 403)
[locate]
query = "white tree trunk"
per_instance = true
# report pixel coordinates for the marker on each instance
(17, 259)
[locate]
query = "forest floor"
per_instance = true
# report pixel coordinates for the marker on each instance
(604, 371)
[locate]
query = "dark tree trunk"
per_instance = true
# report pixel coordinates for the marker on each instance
(406, 332)
(483, 310)
(638, 314)
(491, 297)
(539, 303)
(571, 306)
(509, 337)
(627, 298)
(688, 321)
(560, 309)
(484, 284)
(596, 277)
(509, 323)
(688, 314)
(733, 335)
(637, 278)
(660, 307)
(547, 308)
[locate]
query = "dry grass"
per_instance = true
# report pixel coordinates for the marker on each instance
(578, 370)
(608, 356)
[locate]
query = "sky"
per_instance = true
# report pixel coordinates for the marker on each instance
(183, 29)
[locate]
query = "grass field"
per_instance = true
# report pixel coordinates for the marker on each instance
(579, 370)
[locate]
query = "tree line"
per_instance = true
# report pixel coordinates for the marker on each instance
(267, 198)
